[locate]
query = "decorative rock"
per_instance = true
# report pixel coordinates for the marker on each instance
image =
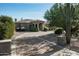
(43, 50)
(35, 49)
(61, 40)
(65, 52)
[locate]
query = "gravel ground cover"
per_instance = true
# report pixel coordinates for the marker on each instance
(42, 44)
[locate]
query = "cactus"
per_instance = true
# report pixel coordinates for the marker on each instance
(69, 10)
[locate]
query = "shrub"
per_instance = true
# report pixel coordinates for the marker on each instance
(34, 29)
(2, 31)
(58, 31)
(46, 28)
(6, 27)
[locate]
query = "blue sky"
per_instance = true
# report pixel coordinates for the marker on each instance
(26, 11)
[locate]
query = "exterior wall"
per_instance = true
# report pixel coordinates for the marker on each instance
(18, 26)
(5, 47)
(29, 26)
(25, 25)
(41, 26)
(36, 25)
(22, 25)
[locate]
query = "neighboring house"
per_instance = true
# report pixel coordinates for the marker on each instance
(28, 24)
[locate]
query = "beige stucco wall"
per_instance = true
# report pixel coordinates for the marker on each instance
(5, 47)
(33, 25)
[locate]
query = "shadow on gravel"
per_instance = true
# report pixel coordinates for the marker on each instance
(75, 46)
(56, 48)
(35, 40)
(34, 43)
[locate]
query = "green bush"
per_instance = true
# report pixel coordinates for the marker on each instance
(34, 29)
(46, 28)
(6, 27)
(58, 31)
(2, 30)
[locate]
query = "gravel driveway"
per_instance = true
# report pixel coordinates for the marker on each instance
(31, 34)
(36, 43)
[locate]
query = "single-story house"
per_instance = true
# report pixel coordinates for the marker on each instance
(28, 24)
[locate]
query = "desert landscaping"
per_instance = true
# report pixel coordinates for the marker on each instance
(40, 30)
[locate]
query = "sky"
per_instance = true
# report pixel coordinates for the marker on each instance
(25, 10)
